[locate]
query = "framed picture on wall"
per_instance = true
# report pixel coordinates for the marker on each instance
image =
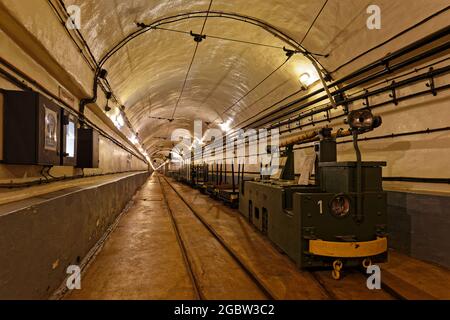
(51, 130)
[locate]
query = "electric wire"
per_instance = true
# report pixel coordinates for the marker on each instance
(255, 87)
(268, 93)
(224, 38)
(91, 55)
(61, 20)
(185, 80)
(206, 18)
(95, 65)
(246, 42)
(269, 107)
(61, 2)
(190, 64)
(201, 14)
(389, 40)
(304, 98)
(180, 17)
(314, 21)
(299, 91)
(317, 110)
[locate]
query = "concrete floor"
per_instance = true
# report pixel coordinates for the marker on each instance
(141, 258)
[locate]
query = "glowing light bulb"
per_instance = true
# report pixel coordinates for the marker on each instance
(304, 79)
(119, 121)
(226, 125)
(133, 139)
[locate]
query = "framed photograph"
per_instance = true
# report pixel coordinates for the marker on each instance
(51, 130)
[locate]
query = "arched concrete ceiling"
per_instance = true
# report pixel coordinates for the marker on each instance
(148, 73)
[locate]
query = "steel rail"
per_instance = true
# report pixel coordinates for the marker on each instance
(195, 282)
(266, 291)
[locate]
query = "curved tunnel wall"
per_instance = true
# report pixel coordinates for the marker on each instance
(75, 80)
(43, 230)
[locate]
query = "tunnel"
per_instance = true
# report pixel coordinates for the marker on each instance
(224, 150)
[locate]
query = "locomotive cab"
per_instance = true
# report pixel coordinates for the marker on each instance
(346, 224)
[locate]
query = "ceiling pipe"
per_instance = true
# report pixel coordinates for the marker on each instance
(386, 71)
(403, 98)
(85, 101)
(424, 76)
(312, 136)
(381, 62)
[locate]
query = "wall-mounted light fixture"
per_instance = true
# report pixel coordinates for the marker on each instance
(304, 80)
(226, 126)
(120, 122)
(134, 139)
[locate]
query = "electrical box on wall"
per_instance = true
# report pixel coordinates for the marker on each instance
(69, 135)
(32, 133)
(87, 147)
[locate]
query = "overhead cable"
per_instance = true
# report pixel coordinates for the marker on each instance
(256, 86)
(190, 64)
(314, 21)
(223, 38)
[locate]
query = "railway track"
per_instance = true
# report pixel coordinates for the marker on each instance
(200, 279)
(352, 287)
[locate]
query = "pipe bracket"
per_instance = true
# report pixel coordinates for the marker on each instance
(431, 84)
(393, 95)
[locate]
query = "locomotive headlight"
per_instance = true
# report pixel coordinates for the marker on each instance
(340, 205)
(363, 120)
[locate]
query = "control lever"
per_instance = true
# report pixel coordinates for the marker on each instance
(360, 121)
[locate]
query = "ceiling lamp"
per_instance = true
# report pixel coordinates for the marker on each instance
(226, 125)
(362, 121)
(120, 122)
(134, 139)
